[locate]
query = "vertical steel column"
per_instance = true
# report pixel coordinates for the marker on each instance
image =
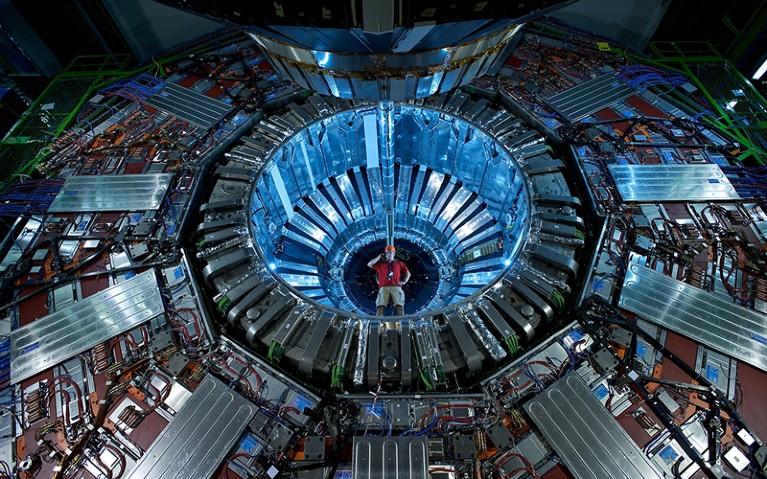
(385, 113)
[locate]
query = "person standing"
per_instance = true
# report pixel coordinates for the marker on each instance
(392, 276)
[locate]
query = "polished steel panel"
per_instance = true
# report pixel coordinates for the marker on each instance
(403, 186)
(588, 97)
(479, 226)
(697, 314)
(79, 327)
(301, 239)
(399, 75)
(22, 241)
(293, 266)
(397, 457)
(329, 211)
(351, 196)
(189, 105)
(672, 183)
(427, 201)
(456, 202)
(311, 230)
(420, 175)
(338, 204)
(585, 435)
(82, 194)
(363, 192)
(198, 438)
(302, 281)
(439, 201)
(469, 212)
(317, 218)
(455, 205)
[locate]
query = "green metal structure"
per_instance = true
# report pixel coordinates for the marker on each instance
(55, 110)
(733, 105)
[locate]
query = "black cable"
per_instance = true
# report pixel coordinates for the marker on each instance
(718, 399)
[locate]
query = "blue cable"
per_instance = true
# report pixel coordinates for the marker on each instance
(174, 293)
(532, 376)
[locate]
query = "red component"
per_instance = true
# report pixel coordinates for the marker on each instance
(645, 107)
(513, 62)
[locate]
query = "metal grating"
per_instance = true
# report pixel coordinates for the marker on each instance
(13, 156)
(51, 108)
(672, 183)
(39, 124)
(112, 193)
(77, 328)
(198, 438)
(188, 105)
(696, 314)
(589, 97)
(588, 438)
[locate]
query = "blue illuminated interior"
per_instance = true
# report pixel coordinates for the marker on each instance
(461, 203)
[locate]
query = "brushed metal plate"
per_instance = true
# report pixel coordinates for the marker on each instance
(80, 326)
(585, 435)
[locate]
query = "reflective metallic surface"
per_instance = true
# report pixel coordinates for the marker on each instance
(712, 321)
(383, 50)
(591, 96)
(389, 76)
(81, 326)
(672, 183)
(189, 105)
(107, 193)
(394, 457)
(194, 442)
(486, 216)
(588, 438)
(456, 190)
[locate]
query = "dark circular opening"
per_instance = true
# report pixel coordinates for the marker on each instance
(362, 285)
